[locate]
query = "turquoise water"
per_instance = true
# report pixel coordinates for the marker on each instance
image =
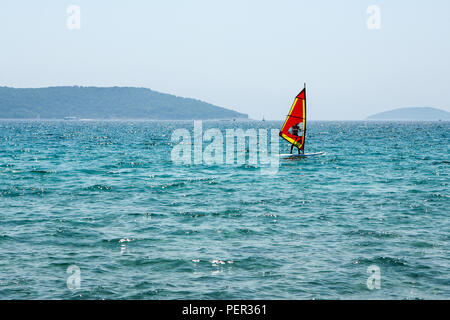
(106, 197)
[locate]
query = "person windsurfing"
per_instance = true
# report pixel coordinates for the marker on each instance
(295, 129)
(295, 123)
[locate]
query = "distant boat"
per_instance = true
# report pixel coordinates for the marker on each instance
(263, 119)
(70, 118)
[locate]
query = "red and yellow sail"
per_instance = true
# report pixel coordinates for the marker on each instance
(297, 115)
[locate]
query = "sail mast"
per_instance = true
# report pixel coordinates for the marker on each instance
(304, 120)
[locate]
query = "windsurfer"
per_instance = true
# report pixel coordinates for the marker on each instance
(295, 129)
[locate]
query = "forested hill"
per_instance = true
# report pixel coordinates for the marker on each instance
(104, 103)
(416, 113)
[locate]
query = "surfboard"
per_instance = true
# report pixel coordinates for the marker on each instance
(303, 155)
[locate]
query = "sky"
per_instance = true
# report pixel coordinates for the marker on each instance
(247, 55)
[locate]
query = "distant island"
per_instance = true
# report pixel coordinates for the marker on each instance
(105, 103)
(417, 113)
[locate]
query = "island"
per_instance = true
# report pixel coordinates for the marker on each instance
(76, 102)
(414, 113)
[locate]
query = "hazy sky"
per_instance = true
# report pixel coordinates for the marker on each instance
(250, 56)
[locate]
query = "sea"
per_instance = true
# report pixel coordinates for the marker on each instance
(100, 210)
